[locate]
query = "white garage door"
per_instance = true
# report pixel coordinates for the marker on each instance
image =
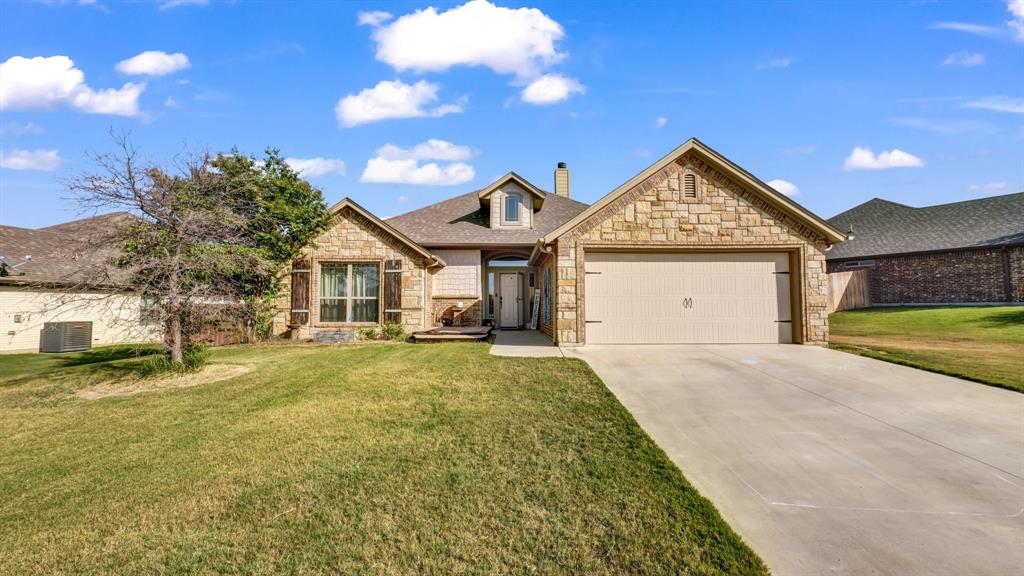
(652, 298)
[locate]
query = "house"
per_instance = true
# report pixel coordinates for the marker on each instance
(963, 252)
(692, 249)
(41, 273)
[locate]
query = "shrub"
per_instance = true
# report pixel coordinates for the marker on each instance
(194, 357)
(385, 332)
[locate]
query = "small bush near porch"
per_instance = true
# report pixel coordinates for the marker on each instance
(377, 458)
(981, 343)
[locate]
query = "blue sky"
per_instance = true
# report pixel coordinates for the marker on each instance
(398, 106)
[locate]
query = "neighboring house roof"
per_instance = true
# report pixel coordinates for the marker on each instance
(387, 227)
(86, 227)
(746, 178)
(56, 258)
(462, 221)
(882, 227)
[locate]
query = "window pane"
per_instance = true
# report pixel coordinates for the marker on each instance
(365, 280)
(512, 208)
(333, 278)
(332, 310)
(364, 310)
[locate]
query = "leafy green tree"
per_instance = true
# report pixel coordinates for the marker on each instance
(204, 243)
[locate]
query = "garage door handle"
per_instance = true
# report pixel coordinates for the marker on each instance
(784, 321)
(592, 322)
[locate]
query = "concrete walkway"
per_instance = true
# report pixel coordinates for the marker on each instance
(830, 463)
(525, 344)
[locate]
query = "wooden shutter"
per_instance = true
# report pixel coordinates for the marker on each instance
(392, 291)
(300, 292)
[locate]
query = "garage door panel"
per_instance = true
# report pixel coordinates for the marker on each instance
(687, 298)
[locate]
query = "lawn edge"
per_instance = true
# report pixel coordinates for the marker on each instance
(875, 354)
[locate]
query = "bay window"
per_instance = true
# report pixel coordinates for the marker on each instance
(349, 291)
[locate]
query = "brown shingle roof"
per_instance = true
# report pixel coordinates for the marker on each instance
(882, 227)
(60, 255)
(461, 220)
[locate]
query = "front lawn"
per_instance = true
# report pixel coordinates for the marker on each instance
(981, 343)
(368, 459)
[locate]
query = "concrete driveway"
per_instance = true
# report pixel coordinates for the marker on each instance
(830, 463)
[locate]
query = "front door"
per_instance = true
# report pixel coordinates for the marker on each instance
(511, 302)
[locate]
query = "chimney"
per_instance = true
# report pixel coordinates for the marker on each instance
(562, 180)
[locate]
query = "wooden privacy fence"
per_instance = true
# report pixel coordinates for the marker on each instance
(848, 290)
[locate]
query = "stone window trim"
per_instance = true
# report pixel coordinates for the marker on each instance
(798, 274)
(518, 221)
(314, 288)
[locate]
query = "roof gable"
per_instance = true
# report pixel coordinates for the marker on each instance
(352, 205)
(461, 221)
(721, 162)
(537, 193)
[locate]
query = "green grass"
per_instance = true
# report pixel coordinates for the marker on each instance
(369, 459)
(980, 343)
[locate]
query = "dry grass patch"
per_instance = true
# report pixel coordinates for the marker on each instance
(130, 385)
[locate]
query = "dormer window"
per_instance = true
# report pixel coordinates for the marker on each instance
(512, 202)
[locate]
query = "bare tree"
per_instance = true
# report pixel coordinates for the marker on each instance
(184, 247)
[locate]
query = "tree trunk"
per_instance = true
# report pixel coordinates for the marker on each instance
(174, 311)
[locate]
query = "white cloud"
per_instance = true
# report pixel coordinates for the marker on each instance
(432, 149)
(178, 3)
(41, 160)
(660, 122)
(395, 165)
(391, 99)
(992, 188)
(551, 88)
(316, 167)
(153, 63)
(42, 82)
(1016, 23)
(1013, 31)
(22, 129)
(785, 187)
(170, 102)
(374, 19)
(976, 29)
(865, 159)
(520, 41)
(965, 59)
(776, 63)
(941, 126)
(997, 104)
(384, 171)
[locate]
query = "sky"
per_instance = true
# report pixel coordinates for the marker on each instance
(399, 105)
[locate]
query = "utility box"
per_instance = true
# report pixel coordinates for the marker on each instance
(57, 337)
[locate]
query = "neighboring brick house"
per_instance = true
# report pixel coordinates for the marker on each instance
(963, 252)
(692, 249)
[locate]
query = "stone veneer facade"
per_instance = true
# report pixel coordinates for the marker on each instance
(977, 275)
(724, 215)
(353, 238)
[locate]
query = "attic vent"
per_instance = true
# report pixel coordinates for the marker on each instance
(690, 186)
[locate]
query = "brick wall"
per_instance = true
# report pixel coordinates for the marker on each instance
(1016, 255)
(354, 238)
(946, 277)
(447, 308)
(723, 215)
